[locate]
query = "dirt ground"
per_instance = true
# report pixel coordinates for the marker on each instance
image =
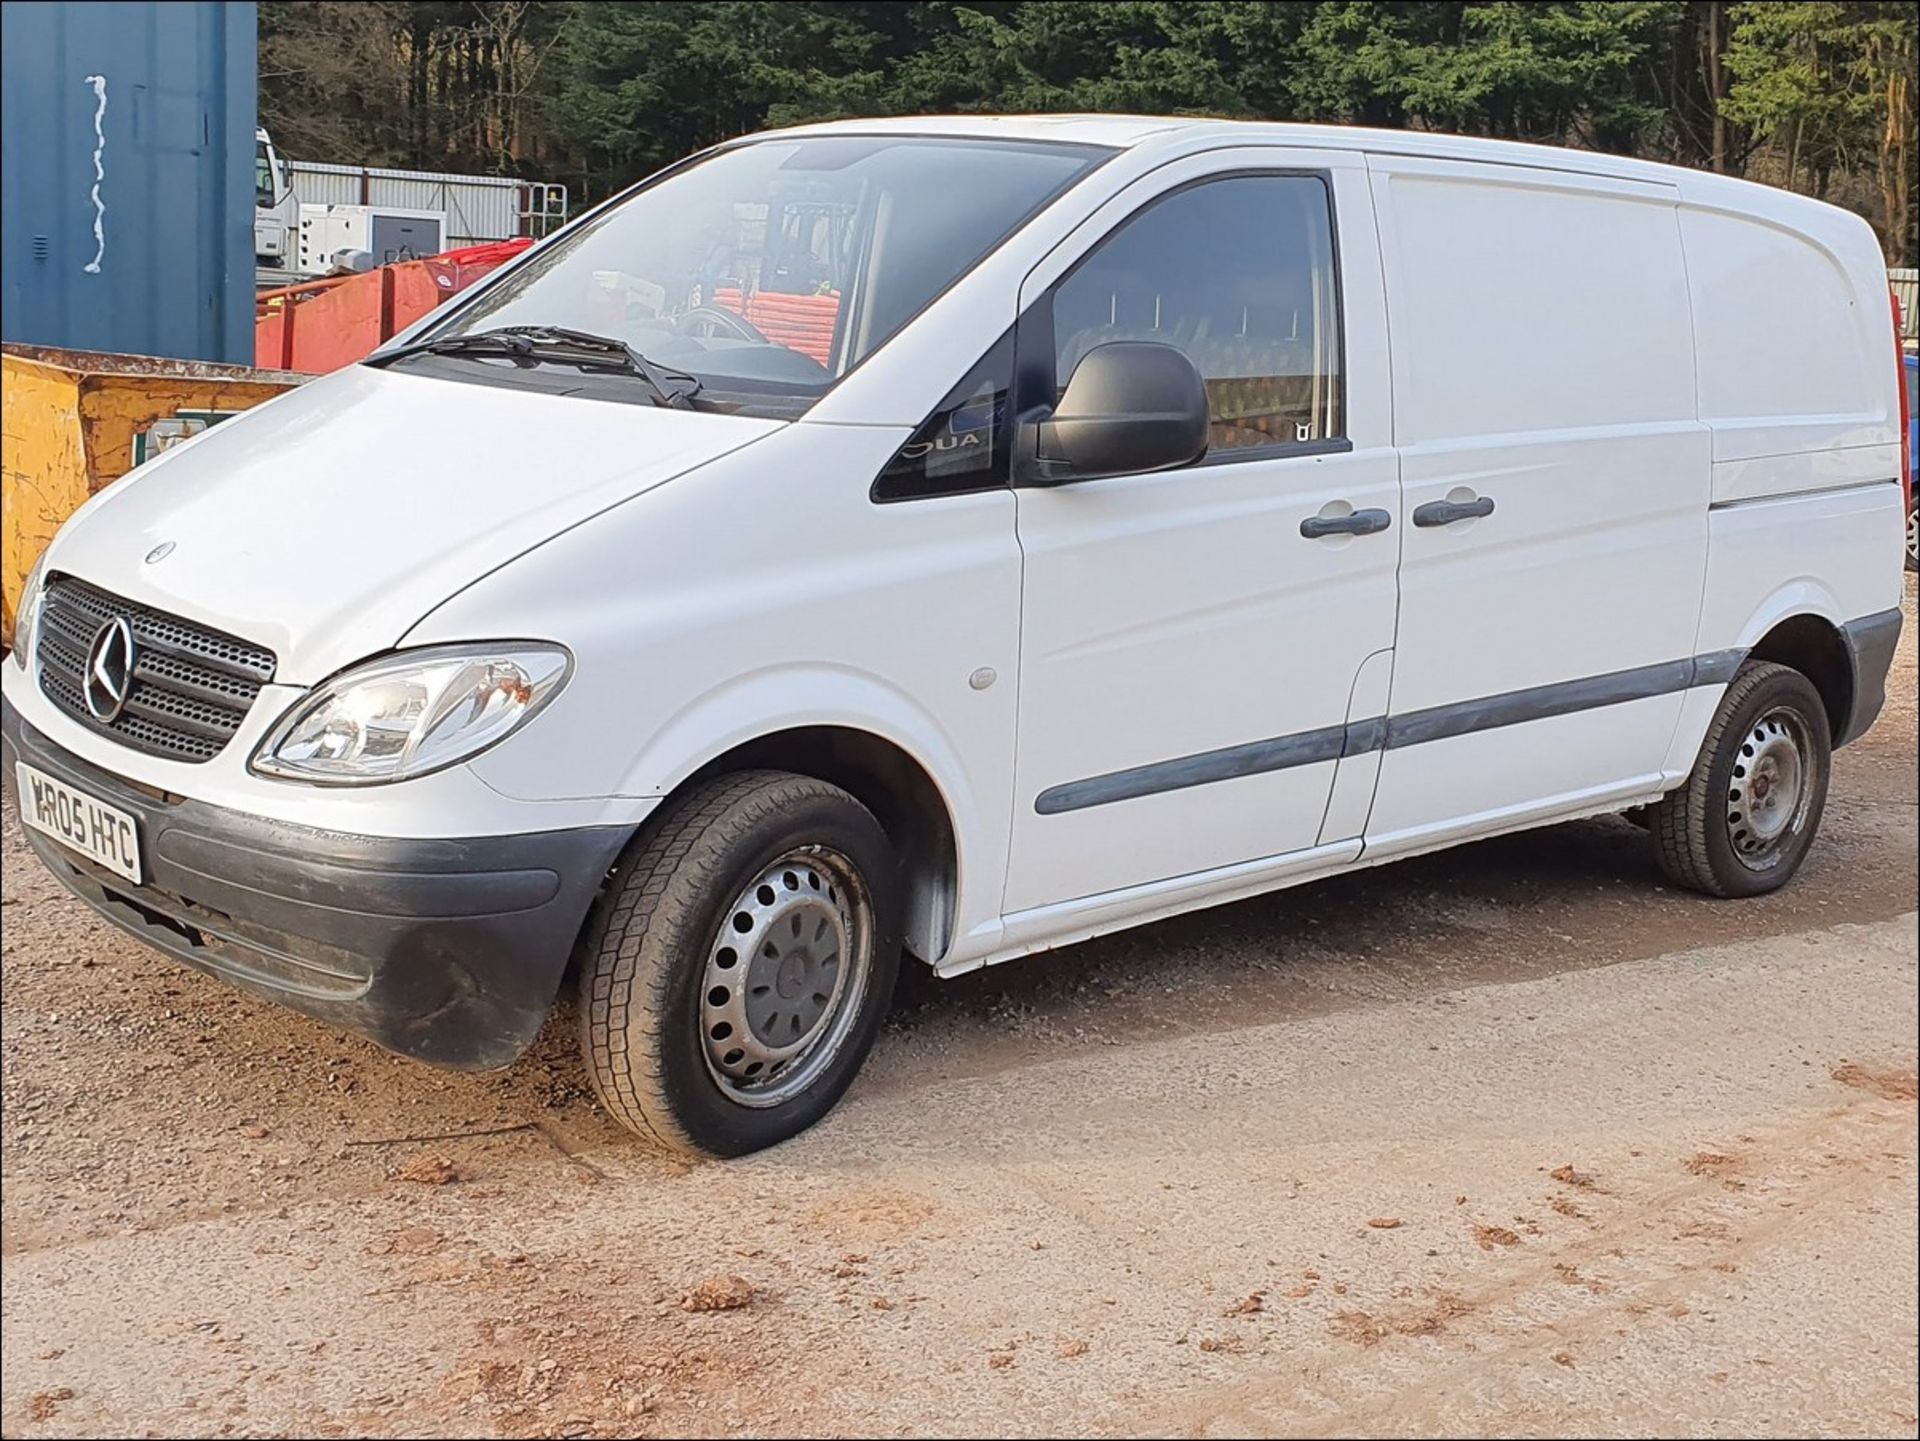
(1512, 1140)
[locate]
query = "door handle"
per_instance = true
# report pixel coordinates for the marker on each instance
(1360, 522)
(1446, 512)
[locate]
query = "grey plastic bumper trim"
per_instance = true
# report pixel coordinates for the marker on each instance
(447, 950)
(1537, 703)
(1716, 667)
(1816, 492)
(1279, 753)
(1871, 641)
(1414, 728)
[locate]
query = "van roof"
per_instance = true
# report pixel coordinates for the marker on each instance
(1199, 132)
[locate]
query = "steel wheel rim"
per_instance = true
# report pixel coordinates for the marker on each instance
(785, 976)
(1768, 794)
(1913, 535)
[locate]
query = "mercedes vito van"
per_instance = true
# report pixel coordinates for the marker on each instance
(958, 538)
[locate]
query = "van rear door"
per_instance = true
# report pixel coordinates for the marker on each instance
(1556, 482)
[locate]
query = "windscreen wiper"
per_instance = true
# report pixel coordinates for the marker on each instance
(674, 387)
(671, 388)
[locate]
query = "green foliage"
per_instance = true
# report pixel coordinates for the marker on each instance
(1816, 95)
(647, 81)
(1832, 86)
(1818, 69)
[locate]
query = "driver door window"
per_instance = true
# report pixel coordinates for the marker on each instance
(1238, 273)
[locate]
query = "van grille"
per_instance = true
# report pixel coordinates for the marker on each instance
(192, 687)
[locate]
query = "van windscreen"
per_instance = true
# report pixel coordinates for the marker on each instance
(770, 269)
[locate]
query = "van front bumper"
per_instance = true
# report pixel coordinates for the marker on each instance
(450, 951)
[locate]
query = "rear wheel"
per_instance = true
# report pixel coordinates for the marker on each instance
(1913, 533)
(741, 964)
(1744, 820)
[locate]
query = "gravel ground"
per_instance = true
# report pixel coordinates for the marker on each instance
(1511, 1140)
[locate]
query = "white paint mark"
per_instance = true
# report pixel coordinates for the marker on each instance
(99, 84)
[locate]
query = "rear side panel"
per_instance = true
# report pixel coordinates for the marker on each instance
(1794, 335)
(1797, 385)
(1834, 554)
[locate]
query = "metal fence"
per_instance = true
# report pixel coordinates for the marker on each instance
(479, 208)
(1906, 285)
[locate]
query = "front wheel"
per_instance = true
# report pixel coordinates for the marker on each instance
(741, 964)
(1742, 823)
(1913, 534)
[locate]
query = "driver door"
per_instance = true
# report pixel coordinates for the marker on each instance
(1189, 657)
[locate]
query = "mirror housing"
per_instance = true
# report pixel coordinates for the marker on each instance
(1131, 406)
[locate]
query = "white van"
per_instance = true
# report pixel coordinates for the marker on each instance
(966, 537)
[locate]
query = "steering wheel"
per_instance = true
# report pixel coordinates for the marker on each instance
(708, 321)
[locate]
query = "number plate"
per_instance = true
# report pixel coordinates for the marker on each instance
(102, 833)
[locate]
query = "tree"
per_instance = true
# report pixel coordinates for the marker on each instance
(434, 86)
(1814, 94)
(330, 87)
(1831, 86)
(1558, 73)
(648, 82)
(1096, 55)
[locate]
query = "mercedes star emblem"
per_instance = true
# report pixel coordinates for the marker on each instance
(109, 679)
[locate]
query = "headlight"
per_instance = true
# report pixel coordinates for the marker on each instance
(407, 714)
(29, 612)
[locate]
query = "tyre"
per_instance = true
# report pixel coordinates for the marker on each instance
(1742, 823)
(1913, 534)
(740, 964)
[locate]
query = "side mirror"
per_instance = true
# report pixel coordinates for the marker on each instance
(1131, 406)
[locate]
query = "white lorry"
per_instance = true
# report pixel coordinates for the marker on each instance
(276, 210)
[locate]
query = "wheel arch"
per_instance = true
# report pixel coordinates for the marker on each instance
(1818, 649)
(934, 773)
(1802, 624)
(889, 781)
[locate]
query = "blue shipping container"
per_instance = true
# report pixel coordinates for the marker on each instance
(126, 176)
